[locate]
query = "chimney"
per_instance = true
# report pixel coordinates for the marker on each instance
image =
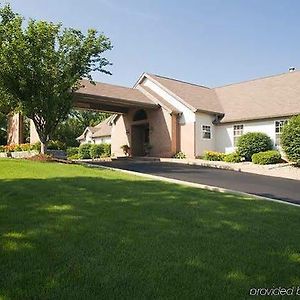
(292, 69)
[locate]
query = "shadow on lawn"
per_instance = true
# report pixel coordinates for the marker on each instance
(86, 238)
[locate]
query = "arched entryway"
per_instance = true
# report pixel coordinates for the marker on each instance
(140, 138)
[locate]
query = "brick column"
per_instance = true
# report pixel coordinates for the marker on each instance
(15, 129)
(175, 134)
(34, 137)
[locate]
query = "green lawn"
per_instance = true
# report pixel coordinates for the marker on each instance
(70, 232)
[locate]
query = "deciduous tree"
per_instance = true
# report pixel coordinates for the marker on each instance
(42, 64)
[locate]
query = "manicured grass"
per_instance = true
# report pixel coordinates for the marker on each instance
(70, 232)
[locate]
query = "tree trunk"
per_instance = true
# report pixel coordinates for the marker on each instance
(43, 147)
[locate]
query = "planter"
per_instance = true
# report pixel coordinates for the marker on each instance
(23, 154)
(3, 154)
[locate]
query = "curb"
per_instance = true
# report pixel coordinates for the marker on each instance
(190, 184)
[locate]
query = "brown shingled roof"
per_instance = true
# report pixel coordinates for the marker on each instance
(103, 128)
(112, 91)
(274, 96)
(197, 97)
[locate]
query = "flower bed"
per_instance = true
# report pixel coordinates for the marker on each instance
(19, 151)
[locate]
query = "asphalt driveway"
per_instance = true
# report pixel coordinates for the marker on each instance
(271, 187)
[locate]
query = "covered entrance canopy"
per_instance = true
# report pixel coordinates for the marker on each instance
(99, 97)
(110, 98)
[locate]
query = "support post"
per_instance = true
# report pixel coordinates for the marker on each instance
(15, 129)
(34, 137)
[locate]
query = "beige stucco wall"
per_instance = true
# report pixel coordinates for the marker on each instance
(160, 132)
(160, 122)
(119, 136)
(187, 139)
(224, 132)
(201, 144)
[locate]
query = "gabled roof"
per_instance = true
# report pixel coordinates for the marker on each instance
(269, 97)
(158, 99)
(195, 96)
(111, 91)
(102, 129)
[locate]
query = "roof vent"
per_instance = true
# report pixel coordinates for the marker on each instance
(292, 69)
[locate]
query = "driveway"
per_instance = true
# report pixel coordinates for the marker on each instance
(267, 186)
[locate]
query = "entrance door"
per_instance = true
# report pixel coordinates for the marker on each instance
(139, 137)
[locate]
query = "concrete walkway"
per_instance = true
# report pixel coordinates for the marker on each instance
(265, 186)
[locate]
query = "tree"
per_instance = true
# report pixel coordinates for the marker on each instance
(290, 139)
(42, 64)
(73, 127)
(3, 129)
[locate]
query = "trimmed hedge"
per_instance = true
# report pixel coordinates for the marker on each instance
(290, 139)
(214, 156)
(267, 157)
(253, 142)
(106, 150)
(96, 150)
(100, 150)
(72, 151)
(233, 157)
(84, 151)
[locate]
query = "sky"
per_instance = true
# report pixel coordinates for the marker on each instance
(208, 42)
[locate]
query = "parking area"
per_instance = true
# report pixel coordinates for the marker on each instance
(266, 186)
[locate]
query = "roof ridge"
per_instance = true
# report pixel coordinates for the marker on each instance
(259, 78)
(111, 84)
(179, 80)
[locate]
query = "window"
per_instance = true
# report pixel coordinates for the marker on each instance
(206, 132)
(237, 132)
(140, 115)
(278, 130)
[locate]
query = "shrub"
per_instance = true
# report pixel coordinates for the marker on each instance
(22, 147)
(74, 156)
(36, 146)
(266, 158)
(72, 151)
(17, 148)
(233, 157)
(179, 155)
(2, 149)
(290, 139)
(106, 150)
(10, 148)
(212, 155)
(126, 149)
(56, 145)
(25, 147)
(84, 151)
(253, 142)
(96, 150)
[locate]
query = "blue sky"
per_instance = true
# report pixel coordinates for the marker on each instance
(209, 42)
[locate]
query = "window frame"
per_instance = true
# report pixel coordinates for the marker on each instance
(202, 132)
(234, 137)
(278, 134)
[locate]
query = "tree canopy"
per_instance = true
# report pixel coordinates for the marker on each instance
(73, 127)
(42, 64)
